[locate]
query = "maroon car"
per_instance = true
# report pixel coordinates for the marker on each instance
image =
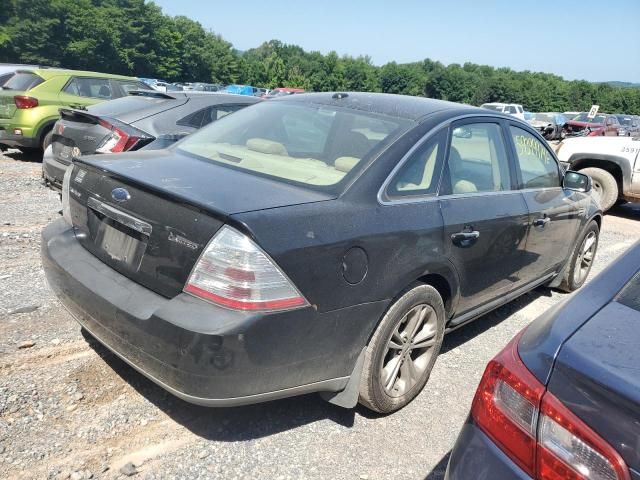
(600, 125)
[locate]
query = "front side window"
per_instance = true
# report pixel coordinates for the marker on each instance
(420, 174)
(539, 169)
(89, 87)
(316, 145)
(477, 161)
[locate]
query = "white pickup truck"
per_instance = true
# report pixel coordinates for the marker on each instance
(613, 163)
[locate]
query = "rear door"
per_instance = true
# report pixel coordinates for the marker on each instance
(554, 213)
(485, 216)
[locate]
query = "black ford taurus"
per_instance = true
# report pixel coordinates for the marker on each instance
(315, 243)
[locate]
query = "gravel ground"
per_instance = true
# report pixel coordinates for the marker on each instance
(70, 409)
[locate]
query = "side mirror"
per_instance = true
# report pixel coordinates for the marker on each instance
(577, 181)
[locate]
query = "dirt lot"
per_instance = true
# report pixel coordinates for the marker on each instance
(70, 409)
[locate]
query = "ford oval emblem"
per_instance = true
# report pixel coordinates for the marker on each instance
(120, 194)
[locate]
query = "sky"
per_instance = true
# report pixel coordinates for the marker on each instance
(586, 39)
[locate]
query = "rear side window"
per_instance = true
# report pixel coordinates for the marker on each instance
(420, 174)
(477, 160)
(630, 295)
(205, 116)
(23, 81)
(193, 120)
(89, 87)
(539, 169)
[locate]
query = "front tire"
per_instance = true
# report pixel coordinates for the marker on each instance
(582, 259)
(403, 349)
(605, 184)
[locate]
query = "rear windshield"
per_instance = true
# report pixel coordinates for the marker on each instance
(630, 295)
(314, 145)
(115, 108)
(23, 81)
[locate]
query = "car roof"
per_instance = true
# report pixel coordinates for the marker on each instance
(48, 73)
(402, 106)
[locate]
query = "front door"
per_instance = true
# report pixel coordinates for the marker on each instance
(485, 217)
(554, 213)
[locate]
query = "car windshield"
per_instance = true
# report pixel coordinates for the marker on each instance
(314, 145)
(584, 117)
(23, 81)
(544, 117)
(624, 120)
(497, 108)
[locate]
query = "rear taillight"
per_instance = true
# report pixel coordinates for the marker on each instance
(118, 140)
(535, 429)
(506, 406)
(24, 102)
(236, 273)
(569, 450)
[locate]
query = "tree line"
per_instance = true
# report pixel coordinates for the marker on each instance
(134, 37)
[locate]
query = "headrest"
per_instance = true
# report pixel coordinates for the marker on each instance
(263, 145)
(345, 164)
(464, 186)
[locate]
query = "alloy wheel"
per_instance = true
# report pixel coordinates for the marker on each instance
(409, 350)
(585, 258)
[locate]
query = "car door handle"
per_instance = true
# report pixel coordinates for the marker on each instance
(465, 239)
(541, 222)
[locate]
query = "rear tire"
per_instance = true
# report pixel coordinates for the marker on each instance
(605, 184)
(403, 349)
(46, 140)
(582, 259)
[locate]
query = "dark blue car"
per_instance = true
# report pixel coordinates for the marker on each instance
(562, 400)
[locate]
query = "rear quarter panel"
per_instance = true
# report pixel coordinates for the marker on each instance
(315, 245)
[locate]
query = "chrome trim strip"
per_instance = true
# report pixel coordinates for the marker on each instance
(119, 216)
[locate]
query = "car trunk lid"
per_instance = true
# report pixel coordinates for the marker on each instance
(77, 133)
(149, 214)
(597, 376)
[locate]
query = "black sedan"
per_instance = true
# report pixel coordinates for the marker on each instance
(315, 243)
(145, 119)
(562, 400)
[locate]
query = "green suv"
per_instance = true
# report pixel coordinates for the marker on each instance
(30, 100)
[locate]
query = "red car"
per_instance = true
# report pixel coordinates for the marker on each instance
(601, 125)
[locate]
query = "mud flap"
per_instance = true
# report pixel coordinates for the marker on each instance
(348, 398)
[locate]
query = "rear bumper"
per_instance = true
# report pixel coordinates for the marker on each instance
(8, 138)
(198, 351)
(53, 169)
(476, 456)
